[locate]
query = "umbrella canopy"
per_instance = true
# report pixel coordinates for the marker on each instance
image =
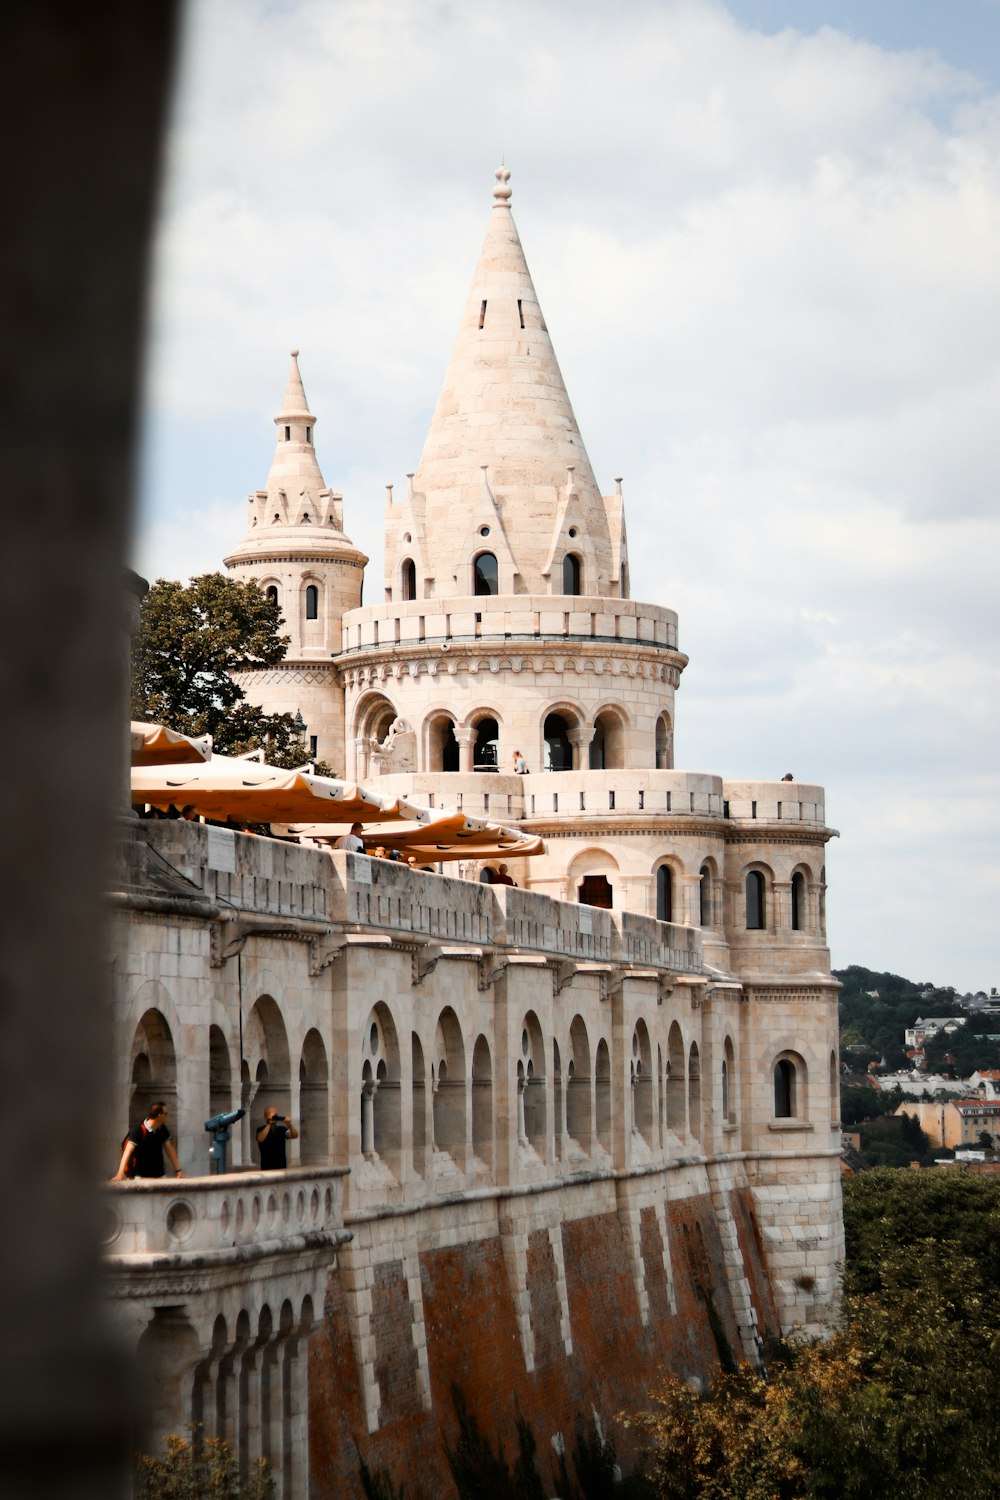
(156, 745)
(247, 791)
(447, 835)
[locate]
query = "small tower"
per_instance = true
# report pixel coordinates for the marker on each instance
(296, 550)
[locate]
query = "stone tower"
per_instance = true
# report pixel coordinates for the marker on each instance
(296, 550)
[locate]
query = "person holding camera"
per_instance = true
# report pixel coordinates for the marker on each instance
(271, 1138)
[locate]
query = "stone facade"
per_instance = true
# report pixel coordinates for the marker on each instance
(588, 1124)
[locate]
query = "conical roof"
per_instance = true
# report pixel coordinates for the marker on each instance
(504, 407)
(296, 508)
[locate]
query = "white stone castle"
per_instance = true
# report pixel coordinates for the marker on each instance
(640, 1040)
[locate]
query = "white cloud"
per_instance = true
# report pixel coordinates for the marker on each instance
(771, 267)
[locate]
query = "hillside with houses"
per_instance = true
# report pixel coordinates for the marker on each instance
(920, 1070)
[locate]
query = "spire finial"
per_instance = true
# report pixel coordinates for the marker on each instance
(502, 192)
(295, 354)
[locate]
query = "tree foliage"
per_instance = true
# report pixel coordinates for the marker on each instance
(192, 639)
(901, 1400)
(206, 1471)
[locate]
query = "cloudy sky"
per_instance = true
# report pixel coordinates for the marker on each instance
(766, 237)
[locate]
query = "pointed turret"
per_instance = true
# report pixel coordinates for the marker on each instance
(504, 407)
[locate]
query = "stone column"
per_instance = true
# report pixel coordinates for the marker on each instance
(464, 738)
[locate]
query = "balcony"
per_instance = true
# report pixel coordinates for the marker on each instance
(240, 1216)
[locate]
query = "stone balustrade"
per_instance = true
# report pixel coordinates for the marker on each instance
(676, 794)
(498, 620)
(212, 1217)
(356, 892)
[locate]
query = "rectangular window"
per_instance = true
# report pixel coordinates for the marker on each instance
(482, 315)
(313, 746)
(611, 801)
(288, 434)
(753, 809)
(520, 313)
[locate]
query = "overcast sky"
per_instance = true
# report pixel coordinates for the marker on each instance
(766, 238)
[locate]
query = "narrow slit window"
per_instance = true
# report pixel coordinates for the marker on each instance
(520, 312)
(309, 434)
(482, 314)
(288, 434)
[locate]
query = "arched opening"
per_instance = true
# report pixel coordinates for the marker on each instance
(694, 1091)
(579, 1097)
(558, 747)
(664, 743)
(380, 1085)
(661, 1096)
(798, 901)
(729, 1082)
(408, 579)
(448, 1083)
(419, 1107)
(785, 1089)
(312, 602)
(642, 1083)
(220, 1073)
(482, 1102)
(664, 894)
(676, 1090)
(314, 1106)
(557, 1100)
(153, 1075)
(595, 890)
(607, 748)
(268, 1066)
(374, 717)
(602, 1095)
(756, 898)
(571, 574)
(442, 746)
(531, 1091)
(272, 593)
(705, 894)
(485, 753)
(486, 574)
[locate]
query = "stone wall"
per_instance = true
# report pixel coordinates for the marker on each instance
(575, 1152)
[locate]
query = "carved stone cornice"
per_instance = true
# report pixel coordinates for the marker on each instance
(564, 655)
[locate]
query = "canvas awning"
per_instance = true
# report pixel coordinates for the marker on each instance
(322, 808)
(250, 792)
(156, 745)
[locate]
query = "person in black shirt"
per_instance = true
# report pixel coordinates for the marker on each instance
(142, 1153)
(271, 1138)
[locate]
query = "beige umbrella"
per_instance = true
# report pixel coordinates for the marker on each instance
(156, 745)
(249, 792)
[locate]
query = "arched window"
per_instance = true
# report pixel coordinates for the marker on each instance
(785, 1089)
(664, 894)
(798, 901)
(558, 749)
(272, 593)
(487, 574)
(408, 579)
(484, 756)
(312, 602)
(729, 1081)
(571, 573)
(705, 897)
(756, 907)
(664, 747)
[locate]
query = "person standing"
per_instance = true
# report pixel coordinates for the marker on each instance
(351, 841)
(520, 765)
(271, 1138)
(503, 877)
(144, 1147)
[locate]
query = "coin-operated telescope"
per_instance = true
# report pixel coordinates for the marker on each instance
(218, 1128)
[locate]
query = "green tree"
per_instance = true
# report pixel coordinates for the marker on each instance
(192, 639)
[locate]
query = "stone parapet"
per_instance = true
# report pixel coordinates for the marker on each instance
(498, 619)
(776, 802)
(178, 1219)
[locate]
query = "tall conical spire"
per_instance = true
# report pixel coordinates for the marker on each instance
(504, 404)
(295, 403)
(295, 466)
